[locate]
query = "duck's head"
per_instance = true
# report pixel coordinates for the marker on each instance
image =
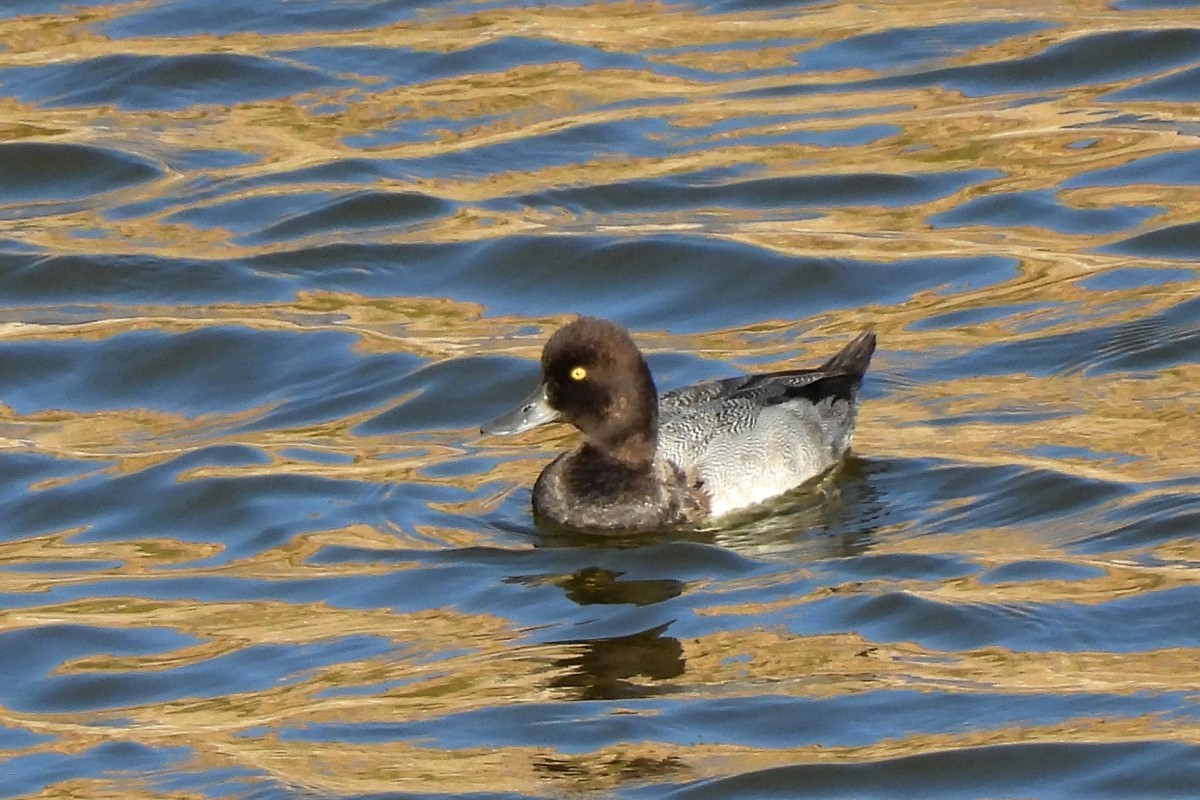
(594, 377)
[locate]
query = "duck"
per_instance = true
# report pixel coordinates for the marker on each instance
(689, 456)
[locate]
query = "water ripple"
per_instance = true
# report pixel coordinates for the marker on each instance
(265, 269)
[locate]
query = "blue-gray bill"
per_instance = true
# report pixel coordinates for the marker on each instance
(533, 411)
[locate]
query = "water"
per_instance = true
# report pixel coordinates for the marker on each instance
(264, 269)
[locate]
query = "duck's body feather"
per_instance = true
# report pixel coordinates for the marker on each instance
(754, 437)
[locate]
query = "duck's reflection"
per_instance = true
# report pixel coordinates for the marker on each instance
(615, 667)
(835, 517)
(591, 771)
(621, 667)
(596, 586)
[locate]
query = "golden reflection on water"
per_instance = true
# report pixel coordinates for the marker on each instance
(1031, 143)
(1140, 426)
(815, 666)
(493, 667)
(1145, 428)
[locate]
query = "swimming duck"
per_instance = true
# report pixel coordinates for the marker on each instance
(692, 454)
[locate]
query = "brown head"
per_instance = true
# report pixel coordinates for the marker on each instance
(594, 377)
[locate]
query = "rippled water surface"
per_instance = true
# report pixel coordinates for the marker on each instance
(265, 267)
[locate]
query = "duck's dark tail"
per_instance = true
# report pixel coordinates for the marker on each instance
(854, 358)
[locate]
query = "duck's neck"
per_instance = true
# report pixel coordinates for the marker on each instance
(634, 443)
(635, 450)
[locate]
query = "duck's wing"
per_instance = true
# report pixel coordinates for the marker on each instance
(837, 378)
(772, 430)
(692, 417)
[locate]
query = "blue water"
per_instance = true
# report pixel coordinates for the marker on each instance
(264, 270)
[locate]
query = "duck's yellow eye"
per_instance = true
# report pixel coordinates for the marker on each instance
(578, 374)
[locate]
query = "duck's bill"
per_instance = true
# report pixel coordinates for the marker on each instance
(534, 411)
